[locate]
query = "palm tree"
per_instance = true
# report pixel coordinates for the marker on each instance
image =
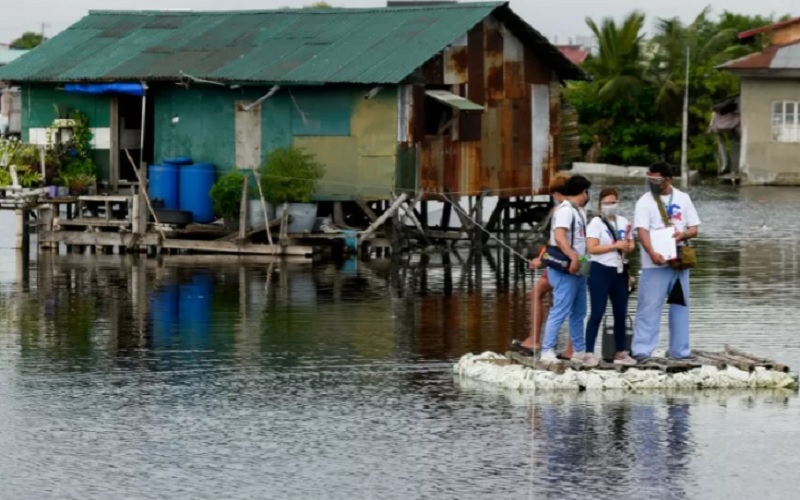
(618, 66)
(701, 41)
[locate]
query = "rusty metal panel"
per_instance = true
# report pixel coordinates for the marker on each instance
(455, 65)
(475, 67)
(469, 161)
(430, 164)
(491, 150)
(525, 135)
(418, 114)
(535, 72)
(494, 61)
(405, 113)
(450, 168)
(514, 80)
(433, 70)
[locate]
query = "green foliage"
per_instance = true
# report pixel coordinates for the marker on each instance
(29, 177)
(290, 175)
(226, 194)
(27, 41)
(634, 103)
(5, 178)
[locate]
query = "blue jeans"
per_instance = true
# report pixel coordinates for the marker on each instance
(605, 282)
(654, 288)
(569, 299)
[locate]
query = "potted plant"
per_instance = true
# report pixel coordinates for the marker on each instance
(289, 178)
(80, 183)
(226, 195)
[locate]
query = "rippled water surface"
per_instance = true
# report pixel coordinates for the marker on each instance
(197, 377)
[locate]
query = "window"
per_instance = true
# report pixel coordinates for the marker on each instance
(785, 121)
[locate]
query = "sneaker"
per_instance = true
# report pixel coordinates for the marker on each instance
(549, 356)
(586, 359)
(624, 360)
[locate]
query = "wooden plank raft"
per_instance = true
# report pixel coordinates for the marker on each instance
(721, 360)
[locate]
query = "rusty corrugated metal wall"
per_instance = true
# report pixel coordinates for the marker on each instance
(490, 150)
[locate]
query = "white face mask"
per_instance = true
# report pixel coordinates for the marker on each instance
(610, 210)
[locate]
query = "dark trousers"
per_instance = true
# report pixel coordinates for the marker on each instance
(605, 282)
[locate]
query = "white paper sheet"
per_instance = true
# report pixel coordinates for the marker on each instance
(663, 242)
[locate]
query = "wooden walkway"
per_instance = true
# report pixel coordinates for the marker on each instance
(730, 356)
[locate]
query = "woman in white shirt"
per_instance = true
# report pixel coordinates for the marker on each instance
(608, 241)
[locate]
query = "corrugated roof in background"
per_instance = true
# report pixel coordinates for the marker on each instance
(8, 55)
(308, 46)
(775, 57)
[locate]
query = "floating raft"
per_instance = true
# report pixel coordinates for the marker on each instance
(728, 369)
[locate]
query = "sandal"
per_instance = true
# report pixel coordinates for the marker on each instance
(517, 346)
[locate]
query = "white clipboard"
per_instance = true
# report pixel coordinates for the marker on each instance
(663, 242)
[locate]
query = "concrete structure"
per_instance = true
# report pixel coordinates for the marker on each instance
(770, 107)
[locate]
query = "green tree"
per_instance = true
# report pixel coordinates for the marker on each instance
(617, 68)
(27, 41)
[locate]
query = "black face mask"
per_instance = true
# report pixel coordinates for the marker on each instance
(655, 189)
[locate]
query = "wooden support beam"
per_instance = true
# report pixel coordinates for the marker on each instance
(114, 150)
(383, 218)
(252, 231)
(230, 247)
(365, 208)
(338, 214)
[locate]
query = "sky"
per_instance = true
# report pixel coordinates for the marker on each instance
(563, 19)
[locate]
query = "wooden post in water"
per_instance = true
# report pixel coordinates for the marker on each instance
(22, 240)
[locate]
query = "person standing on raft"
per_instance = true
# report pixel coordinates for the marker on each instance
(566, 258)
(532, 345)
(664, 205)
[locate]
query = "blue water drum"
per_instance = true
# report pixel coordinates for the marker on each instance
(164, 316)
(196, 181)
(194, 311)
(179, 161)
(162, 186)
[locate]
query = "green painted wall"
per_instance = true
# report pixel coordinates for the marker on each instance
(357, 142)
(40, 105)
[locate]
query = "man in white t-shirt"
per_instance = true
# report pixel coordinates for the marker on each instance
(658, 277)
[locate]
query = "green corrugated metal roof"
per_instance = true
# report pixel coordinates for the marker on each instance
(378, 45)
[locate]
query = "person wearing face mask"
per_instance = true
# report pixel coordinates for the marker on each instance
(658, 278)
(608, 242)
(532, 345)
(569, 285)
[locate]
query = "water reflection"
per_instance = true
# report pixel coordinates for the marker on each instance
(210, 377)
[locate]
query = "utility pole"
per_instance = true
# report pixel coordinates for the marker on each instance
(685, 135)
(44, 25)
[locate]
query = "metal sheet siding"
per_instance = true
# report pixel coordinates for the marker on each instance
(205, 129)
(364, 162)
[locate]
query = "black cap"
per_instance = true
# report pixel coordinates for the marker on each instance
(576, 185)
(661, 168)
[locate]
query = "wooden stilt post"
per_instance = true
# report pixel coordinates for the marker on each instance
(382, 219)
(22, 235)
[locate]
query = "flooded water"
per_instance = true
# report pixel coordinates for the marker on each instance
(201, 377)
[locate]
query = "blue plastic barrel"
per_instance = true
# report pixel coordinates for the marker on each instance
(195, 311)
(164, 316)
(196, 181)
(179, 161)
(162, 186)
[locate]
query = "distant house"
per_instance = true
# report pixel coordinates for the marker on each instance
(769, 106)
(577, 54)
(9, 98)
(453, 97)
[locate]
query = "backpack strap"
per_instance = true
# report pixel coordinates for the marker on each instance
(662, 210)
